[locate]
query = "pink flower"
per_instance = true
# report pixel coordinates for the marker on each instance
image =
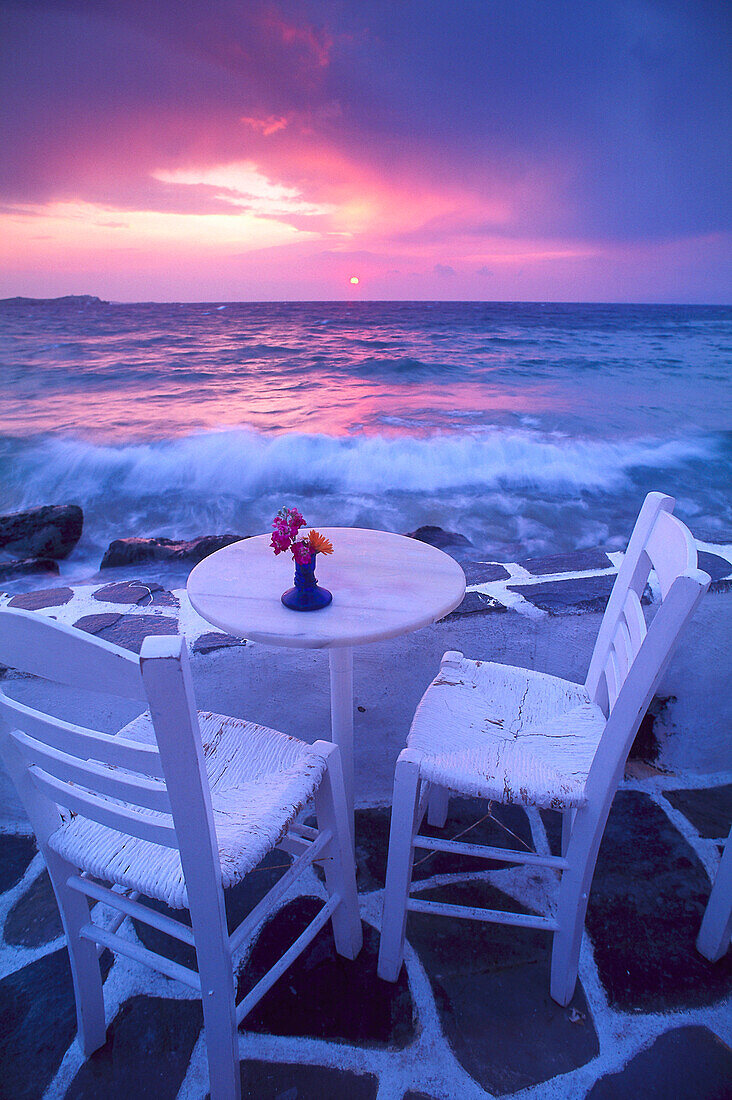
(301, 552)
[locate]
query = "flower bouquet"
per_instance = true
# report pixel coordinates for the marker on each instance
(306, 595)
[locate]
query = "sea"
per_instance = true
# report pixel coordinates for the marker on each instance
(529, 428)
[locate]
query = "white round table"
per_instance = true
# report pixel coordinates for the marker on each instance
(383, 585)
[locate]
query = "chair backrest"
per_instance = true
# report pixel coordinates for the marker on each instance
(630, 658)
(157, 792)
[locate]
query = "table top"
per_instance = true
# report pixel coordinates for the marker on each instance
(383, 585)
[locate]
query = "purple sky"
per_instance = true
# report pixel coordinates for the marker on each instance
(479, 149)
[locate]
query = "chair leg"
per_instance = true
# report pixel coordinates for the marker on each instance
(716, 927)
(437, 806)
(340, 872)
(83, 957)
(567, 822)
(574, 891)
(399, 866)
(217, 997)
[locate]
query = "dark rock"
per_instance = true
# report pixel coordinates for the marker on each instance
(128, 631)
(149, 594)
(16, 852)
(688, 1063)
(479, 572)
(239, 901)
(34, 919)
(709, 810)
(475, 603)
(716, 567)
(417, 1096)
(578, 561)
(280, 1081)
(436, 536)
(322, 995)
(491, 986)
(648, 896)
(647, 743)
(721, 586)
(568, 597)
(123, 552)
(9, 570)
(50, 532)
(95, 624)
(38, 1024)
(147, 1052)
(207, 643)
(480, 822)
(44, 597)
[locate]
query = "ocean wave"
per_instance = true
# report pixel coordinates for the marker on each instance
(244, 463)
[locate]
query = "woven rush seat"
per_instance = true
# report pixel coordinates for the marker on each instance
(260, 780)
(508, 734)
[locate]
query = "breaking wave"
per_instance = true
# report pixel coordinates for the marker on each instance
(245, 463)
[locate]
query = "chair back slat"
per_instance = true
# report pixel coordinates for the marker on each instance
(125, 819)
(109, 779)
(660, 542)
(635, 620)
(613, 678)
(622, 647)
(45, 648)
(671, 550)
(97, 778)
(81, 742)
(642, 680)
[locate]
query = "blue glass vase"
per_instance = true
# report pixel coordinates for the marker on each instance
(307, 595)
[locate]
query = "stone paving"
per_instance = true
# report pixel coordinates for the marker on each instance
(470, 1016)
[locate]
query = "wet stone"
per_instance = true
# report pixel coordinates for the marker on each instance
(688, 1063)
(506, 827)
(34, 919)
(568, 597)
(437, 536)
(648, 896)
(417, 1096)
(128, 631)
(239, 901)
(479, 572)
(208, 643)
(576, 562)
(491, 986)
(16, 852)
(44, 597)
(323, 995)
(148, 1048)
(10, 570)
(146, 594)
(275, 1081)
(714, 565)
(709, 810)
(38, 1024)
(475, 603)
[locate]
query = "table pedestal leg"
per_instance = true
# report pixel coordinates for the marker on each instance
(341, 716)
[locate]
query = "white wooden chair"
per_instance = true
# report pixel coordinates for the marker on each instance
(716, 926)
(177, 806)
(516, 736)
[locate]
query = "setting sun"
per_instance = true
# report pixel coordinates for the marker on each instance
(354, 280)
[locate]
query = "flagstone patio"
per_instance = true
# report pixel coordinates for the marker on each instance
(470, 1016)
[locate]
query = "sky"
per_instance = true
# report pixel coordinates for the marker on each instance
(222, 150)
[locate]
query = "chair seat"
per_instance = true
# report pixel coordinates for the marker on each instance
(507, 734)
(260, 780)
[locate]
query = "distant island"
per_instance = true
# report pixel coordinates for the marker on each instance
(66, 300)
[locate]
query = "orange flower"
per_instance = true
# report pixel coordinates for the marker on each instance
(319, 544)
